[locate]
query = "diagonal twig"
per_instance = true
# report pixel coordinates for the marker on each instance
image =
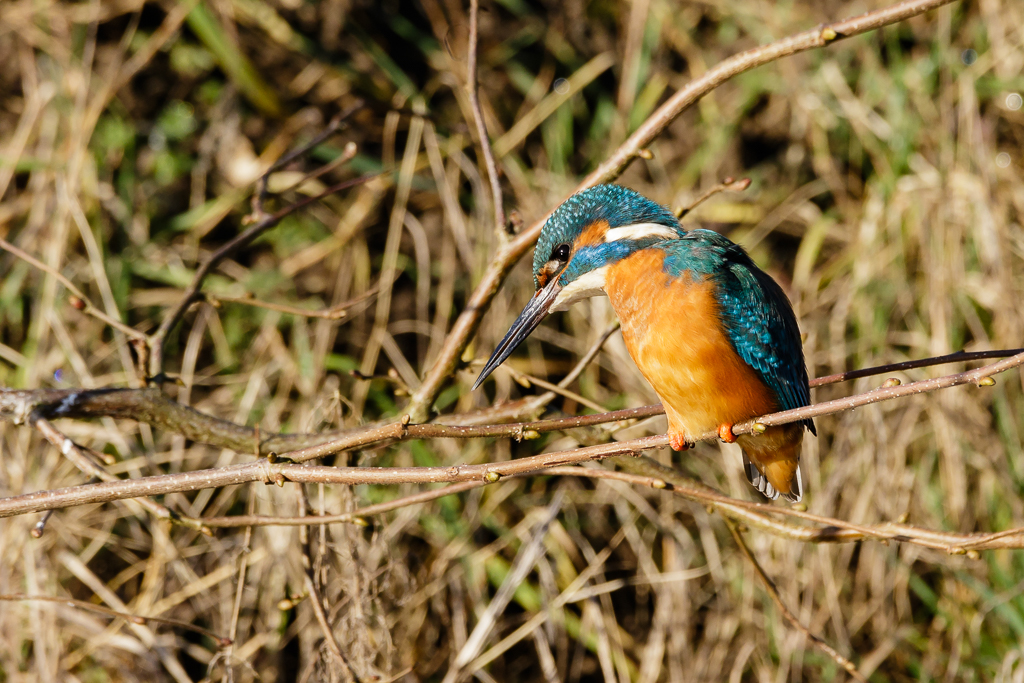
(136, 619)
(191, 294)
(523, 564)
(773, 592)
(315, 601)
(727, 185)
(81, 301)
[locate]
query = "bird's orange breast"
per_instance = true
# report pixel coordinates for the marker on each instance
(673, 331)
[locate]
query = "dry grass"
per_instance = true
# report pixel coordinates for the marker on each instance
(130, 135)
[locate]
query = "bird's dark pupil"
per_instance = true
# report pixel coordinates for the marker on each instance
(561, 252)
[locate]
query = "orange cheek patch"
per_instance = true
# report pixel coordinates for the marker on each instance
(545, 275)
(592, 234)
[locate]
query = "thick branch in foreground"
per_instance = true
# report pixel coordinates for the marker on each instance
(269, 471)
(649, 473)
(152, 406)
(466, 324)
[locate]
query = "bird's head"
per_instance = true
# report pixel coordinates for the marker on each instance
(590, 231)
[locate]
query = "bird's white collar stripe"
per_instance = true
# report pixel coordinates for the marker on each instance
(640, 231)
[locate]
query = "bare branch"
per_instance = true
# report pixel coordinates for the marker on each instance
(980, 376)
(354, 517)
(271, 471)
(152, 406)
(649, 473)
(336, 312)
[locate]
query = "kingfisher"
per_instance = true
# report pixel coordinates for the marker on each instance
(714, 335)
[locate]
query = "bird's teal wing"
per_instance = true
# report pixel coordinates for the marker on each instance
(755, 312)
(761, 325)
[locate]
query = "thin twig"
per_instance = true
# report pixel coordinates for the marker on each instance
(243, 565)
(86, 464)
(347, 154)
(773, 592)
(523, 564)
(81, 301)
(156, 340)
(500, 224)
(727, 185)
(336, 312)
(332, 127)
(354, 517)
(127, 616)
(958, 357)
(527, 381)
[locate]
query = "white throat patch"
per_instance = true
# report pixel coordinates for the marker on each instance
(640, 231)
(587, 285)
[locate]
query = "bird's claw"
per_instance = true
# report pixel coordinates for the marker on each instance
(725, 433)
(678, 442)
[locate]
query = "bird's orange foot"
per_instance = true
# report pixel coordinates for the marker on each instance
(678, 441)
(725, 433)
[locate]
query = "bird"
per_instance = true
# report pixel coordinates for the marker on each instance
(714, 335)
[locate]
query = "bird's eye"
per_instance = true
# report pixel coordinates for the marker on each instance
(561, 253)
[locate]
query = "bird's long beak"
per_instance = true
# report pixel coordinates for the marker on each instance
(526, 323)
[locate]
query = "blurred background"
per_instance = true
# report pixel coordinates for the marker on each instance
(887, 198)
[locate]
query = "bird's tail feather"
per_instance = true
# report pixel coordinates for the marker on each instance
(776, 472)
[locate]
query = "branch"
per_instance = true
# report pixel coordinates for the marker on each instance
(403, 430)
(333, 127)
(647, 472)
(153, 407)
(269, 470)
(354, 517)
(509, 254)
(980, 376)
(336, 312)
